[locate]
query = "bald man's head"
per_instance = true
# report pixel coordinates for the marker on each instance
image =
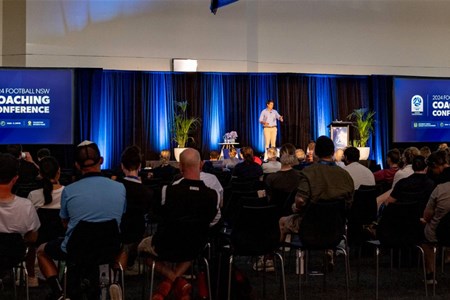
(190, 163)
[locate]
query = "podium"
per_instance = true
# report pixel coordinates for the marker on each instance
(340, 133)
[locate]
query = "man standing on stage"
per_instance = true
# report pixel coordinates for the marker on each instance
(268, 119)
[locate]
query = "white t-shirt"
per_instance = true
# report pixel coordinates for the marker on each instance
(37, 198)
(18, 216)
(360, 174)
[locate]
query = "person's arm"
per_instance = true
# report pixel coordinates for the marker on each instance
(390, 199)
(30, 237)
(263, 118)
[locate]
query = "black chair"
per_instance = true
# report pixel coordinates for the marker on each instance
(12, 256)
(362, 214)
(323, 227)
(51, 225)
(255, 232)
(91, 245)
(399, 228)
(186, 240)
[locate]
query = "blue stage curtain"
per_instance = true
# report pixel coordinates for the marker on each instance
(262, 87)
(322, 98)
(112, 128)
(382, 104)
(157, 110)
(213, 120)
(87, 95)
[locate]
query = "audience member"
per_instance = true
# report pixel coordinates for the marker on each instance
(189, 198)
(301, 158)
(28, 170)
(438, 162)
(310, 152)
(407, 158)
(387, 175)
(165, 170)
(437, 207)
(43, 152)
(286, 180)
(442, 146)
(212, 165)
(248, 169)
(272, 165)
(93, 198)
(425, 151)
(360, 174)
(48, 197)
(17, 215)
(230, 163)
(339, 157)
(139, 201)
(418, 184)
(322, 181)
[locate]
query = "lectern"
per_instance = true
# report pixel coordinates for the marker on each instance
(340, 133)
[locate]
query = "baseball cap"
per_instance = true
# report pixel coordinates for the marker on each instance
(87, 154)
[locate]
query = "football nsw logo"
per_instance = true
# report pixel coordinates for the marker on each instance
(417, 105)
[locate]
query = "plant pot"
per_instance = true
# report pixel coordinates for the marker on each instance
(364, 153)
(177, 151)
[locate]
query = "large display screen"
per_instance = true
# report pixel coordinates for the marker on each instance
(421, 110)
(36, 106)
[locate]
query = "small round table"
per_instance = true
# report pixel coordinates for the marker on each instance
(226, 146)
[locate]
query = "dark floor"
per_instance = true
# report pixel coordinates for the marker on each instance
(403, 283)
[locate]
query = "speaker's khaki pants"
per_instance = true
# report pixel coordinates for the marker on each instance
(270, 136)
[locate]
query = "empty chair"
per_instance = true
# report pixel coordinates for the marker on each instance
(255, 232)
(398, 228)
(322, 228)
(12, 255)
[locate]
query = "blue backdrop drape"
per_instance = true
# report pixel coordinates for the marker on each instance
(120, 108)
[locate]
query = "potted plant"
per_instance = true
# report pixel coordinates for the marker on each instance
(363, 120)
(182, 127)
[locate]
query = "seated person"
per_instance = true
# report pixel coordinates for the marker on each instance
(386, 176)
(425, 151)
(93, 198)
(229, 163)
(418, 183)
(248, 169)
(286, 179)
(301, 157)
(17, 214)
(28, 171)
(213, 164)
(43, 152)
(360, 174)
(189, 198)
(165, 171)
(48, 197)
(139, 201)
(272, 165)
(437, 207)
(339, 157)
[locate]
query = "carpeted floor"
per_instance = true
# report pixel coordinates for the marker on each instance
(399, 283)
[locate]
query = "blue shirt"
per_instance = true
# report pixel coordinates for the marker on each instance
(270, 117)
(93, 198)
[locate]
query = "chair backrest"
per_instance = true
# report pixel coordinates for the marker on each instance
(12, 250)
(51, 225)
(255, 230)
(364, 206)
(443, 230)
(182, 239)
(94, 243)
(323, 224)
(400, 224)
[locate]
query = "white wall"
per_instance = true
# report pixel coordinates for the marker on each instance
(399, 37)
